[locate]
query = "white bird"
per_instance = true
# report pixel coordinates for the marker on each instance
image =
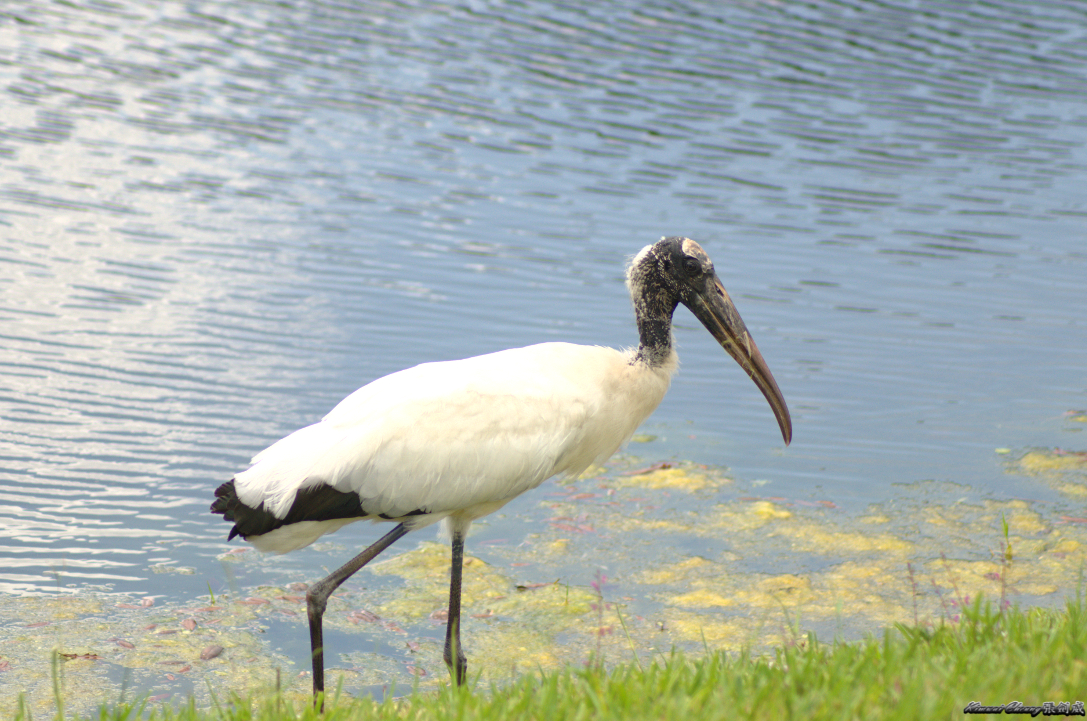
(456, 440)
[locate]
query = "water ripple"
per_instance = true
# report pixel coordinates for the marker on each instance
(220, 220)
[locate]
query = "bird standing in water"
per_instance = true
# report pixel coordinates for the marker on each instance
(456, 440)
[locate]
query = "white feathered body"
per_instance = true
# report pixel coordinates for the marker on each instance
(458, 439)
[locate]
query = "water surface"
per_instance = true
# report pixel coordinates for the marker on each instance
(219, 218)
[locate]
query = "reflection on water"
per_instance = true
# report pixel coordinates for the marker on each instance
(220, 219)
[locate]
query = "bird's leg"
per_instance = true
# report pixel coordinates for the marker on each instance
(317, 599)
(453, 649)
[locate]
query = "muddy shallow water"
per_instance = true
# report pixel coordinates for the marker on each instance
(742, 570)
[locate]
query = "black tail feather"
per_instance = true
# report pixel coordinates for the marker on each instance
(317, 503)
(227, 503)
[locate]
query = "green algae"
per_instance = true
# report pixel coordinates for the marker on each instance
(97, 647)
(600, 575)
(1064, 470)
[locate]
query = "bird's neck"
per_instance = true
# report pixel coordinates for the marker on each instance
(656, 341)
(654, 303)
(654, 333)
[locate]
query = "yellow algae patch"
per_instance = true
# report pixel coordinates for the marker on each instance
(559, 545)
(730, 634)
(771, 592)
(874, 520)
(851, 591)
(674, 572)
(674, 478)
(1072, 489)
(503, 648)
(522, 636)
(946, 516)
(1021, 517)
(503, 656)
(1061, 562)
(702, 598)
(973, 577)
(1049, 461)
(515, 634)
(814, 537)
(1067, 470)
(508, 629)
(787, 583)
(426, 568)
(545, 605)
(775, 591)
(1022, 548)
(855, 589)
(1065, 545)
(421, 562)
(1060, 559)
(737, 517)
(638, 522)
(851, 575)
(767, 510)
(692, 562)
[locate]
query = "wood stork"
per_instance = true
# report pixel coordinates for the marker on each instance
(456, 440)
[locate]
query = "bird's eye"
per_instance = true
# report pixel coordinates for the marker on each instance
(692, 266)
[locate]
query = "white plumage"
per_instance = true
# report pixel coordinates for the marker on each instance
(456, 440)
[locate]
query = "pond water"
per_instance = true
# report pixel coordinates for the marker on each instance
(219, 218)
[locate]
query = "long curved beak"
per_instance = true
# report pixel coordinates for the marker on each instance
(717, 312)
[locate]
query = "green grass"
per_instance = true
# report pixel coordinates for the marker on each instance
(910, 673)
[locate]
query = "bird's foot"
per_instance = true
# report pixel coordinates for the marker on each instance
(459, 670)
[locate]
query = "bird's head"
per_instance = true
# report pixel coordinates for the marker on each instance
(677, 270)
